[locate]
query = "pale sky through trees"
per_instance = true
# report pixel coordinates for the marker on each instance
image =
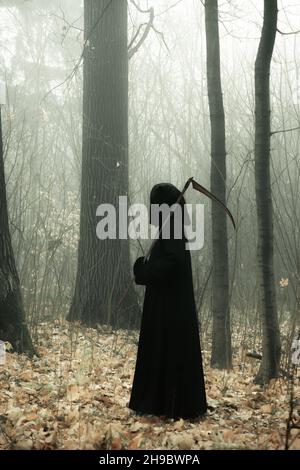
(180, 23)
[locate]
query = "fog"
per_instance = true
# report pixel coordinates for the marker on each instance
(169, 138)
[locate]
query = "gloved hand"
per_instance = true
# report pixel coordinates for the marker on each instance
(139, 270)
(139, 262)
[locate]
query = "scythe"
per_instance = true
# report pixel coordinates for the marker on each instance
(201, 189)
(198, 187)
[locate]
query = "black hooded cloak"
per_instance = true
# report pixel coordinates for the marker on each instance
(168, 379)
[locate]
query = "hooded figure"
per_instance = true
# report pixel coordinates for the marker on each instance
(168, 379)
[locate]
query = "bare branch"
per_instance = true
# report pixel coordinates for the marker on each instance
(169, 8)
(136, 35)
(139, 8)
(149, 25)
(286, 34)
(162, 36)
(77, 65)
(285, 130)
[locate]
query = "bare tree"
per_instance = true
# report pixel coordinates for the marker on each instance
(103, 290)
(12, 316)
(269, 367)
(221, 337)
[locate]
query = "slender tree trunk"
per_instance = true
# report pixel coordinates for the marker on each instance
(221, 337)
(12, 317)
(271, 337)
(102, 294)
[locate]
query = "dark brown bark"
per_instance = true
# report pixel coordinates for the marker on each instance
(12, 317)
(102, 294)
(270, 364)
(221, 337)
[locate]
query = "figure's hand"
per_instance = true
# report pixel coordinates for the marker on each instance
(138, 265)
(138, 269)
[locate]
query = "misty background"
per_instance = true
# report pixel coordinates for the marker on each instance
(169, 140)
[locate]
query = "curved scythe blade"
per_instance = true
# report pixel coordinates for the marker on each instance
(207, 193)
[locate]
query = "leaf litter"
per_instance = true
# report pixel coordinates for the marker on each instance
(75, 395)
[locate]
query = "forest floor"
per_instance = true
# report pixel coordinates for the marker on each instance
(74, 397)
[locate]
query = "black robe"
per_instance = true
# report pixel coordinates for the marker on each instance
(168, 379)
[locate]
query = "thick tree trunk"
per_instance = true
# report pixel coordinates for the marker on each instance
(271, 337)
(221, 337)
(12, 317)
(102, 294)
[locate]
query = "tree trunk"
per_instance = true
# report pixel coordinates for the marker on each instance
(271, 337)
(221, 337)
(12, 317)
(103, 291)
